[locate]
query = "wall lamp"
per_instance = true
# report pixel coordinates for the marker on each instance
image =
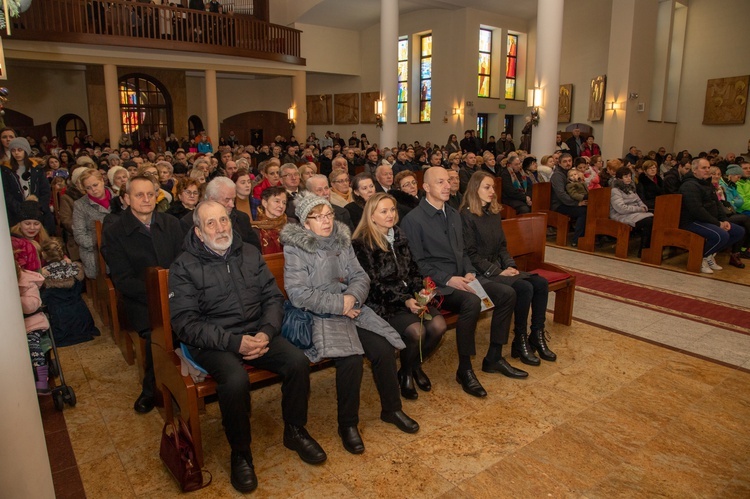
(613, 106)
(535, 98)
(292, 116)
(379, 106)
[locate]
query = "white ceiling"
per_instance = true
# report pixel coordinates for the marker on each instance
(361, 14)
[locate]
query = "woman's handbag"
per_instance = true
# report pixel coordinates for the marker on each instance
(297, 326)
(177, 452)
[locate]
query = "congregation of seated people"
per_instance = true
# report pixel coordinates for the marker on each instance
(365, 231)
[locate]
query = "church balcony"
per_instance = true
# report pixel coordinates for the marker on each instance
(150, 26)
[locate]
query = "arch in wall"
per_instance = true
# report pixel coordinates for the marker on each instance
(195, 125)
(145, 106)
(69, 126)
(257, 126)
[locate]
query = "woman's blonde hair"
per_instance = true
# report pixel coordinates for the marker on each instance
(90, 172)
(41, 238)
(366, 230)
(471, 196)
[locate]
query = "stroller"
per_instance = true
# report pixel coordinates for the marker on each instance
(61, 393)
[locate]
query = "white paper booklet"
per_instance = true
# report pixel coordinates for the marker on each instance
(482, 294)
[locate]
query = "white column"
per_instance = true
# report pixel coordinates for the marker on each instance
(112, 98)
(299, 103)
(549, 28)
(212, 108)
(389, 71)
(25, 470)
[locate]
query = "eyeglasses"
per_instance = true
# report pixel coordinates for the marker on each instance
(341, 181)
(191, 193)
(293, 175)
(322, 217)
(272, 173)
(413, 183)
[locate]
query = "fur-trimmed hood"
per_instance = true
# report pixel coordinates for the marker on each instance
(296, 235)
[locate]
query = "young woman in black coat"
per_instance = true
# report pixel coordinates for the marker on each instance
(486, 246)
(384, 254)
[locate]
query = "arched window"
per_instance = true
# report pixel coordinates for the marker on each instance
(195, 126)
(145, 106)
(69, 126)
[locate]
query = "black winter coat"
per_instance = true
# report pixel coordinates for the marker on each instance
(485, 243)
(14, 195)
(648, 189)
(515, 198)
(216, 300)
(394, 275)
(699, 202)
(672, 181)
(129, 249)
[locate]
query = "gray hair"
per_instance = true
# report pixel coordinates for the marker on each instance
(288, 166)
(696, 163)
(214, 187)
(339, 159)
(317, 176)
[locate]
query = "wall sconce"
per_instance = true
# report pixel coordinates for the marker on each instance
(456, 111)
(613, 106)
(379, 113)
(535, 98)
(292, 115)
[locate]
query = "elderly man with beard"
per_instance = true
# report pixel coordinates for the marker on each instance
(227, 308)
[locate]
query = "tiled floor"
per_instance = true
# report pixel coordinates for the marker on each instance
(614, 416)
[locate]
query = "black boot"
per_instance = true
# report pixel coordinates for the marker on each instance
(520, 349)
(406, 382)
(538, 342)
(243, 472)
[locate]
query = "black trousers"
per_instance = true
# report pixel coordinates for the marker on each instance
(468, 306)
(148, 386)
(532, 292)
(577, 212)
(233, 389)
(382, 357)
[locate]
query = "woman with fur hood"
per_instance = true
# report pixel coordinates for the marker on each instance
(322, 275)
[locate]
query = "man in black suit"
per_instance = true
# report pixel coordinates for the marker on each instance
(137, 239)
(575, 143)
(435, 235)
(290, 182)
(383, 178)
(223, 191)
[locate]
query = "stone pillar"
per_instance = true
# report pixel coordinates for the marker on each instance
(549, 28)
(299, 103)
(112, 97)
(389, 71)
(25, 471)
(212, 108)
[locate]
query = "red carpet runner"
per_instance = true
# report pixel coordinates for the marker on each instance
(703, 310)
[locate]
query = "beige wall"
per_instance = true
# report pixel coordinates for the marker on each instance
(717, 45)
(47, 91)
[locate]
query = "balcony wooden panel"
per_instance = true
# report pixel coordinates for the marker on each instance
(143, 25)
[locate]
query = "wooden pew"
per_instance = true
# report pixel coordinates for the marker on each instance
(598, 222)
(667, 232)
(188, 394)
(108, 299)
(526, 236)
(508, 211)
(541, 198)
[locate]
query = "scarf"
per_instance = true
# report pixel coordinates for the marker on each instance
(519, 185)
(346, 197)
(264, 223)
(103, 202)
(626, 188)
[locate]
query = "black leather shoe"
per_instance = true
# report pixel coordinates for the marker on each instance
(243, 472)
(538, 342)
(401, 420)
(351, 439)
(520, 348)
(421, 379)
(144, 404)
(297, 439)
(406, 382)
(502, 367)
(469, 382)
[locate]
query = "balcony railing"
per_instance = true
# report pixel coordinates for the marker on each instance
(145, 25)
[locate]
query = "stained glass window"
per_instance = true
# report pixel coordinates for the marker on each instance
(403, 79)
(425, 79)
(145, 107)
(510, 67)
(485, 62)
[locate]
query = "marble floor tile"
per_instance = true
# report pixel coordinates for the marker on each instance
(105, 477)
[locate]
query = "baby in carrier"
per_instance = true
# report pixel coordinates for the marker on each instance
(71, 319)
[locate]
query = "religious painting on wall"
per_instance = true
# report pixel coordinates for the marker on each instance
(368, 107)
(346, 109)
(565, 103)
(596, 99)
(320, 109)
(726, 101)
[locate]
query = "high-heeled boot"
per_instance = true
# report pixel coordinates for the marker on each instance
(520, 349)
(406, 382)
(538, 342)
